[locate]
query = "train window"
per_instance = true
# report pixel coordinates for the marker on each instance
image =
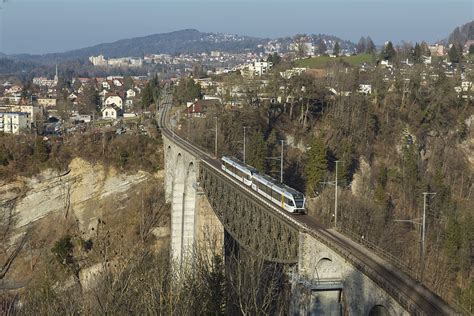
(289, 201)
(299, 203)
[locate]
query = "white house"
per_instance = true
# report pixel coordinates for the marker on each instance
(466, 86)
(131, 93)
(257, 68)
(290, 73)
(106, 85)
(114, 99)
(111, 112)
(365, 89)
(13, 89)
(14, 122)
(117, 83)
(260, 67)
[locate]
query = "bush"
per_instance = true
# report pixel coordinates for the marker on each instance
(63, 249)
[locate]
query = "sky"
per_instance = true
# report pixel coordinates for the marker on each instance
(46, 26)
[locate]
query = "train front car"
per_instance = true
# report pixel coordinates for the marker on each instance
(280, 194)
(299, 201)
(238, 170)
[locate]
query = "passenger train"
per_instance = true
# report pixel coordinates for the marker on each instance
(280, 194)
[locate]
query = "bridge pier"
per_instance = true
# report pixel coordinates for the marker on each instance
(326, 284)
(193, 222)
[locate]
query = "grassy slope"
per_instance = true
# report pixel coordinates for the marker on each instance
(323, 61)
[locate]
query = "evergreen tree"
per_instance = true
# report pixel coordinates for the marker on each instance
(337, 49)
(361, 46)
(215, 282)
(471, 49)
(128, 82)
(417, 53)
(274, 58)
(147, 96)
(4, 156)
(316, 166)
(388, 53)
(257, 152)
(273, 166)
(187, 90)
(369, 46)
(425, 49)
(322, 47)
(454, 54)
(41, 151)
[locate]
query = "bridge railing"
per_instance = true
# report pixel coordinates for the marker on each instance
(381, 252)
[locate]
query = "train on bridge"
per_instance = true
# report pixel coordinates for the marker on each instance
(280, 194)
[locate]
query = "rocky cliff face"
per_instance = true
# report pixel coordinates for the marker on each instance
(83, 192)
(74, 202)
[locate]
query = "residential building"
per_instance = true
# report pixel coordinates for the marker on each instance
(98, 60)
(290, 73)
(199, 107)
(437, 50)
(467, 45)
(14, 122)
(114, 99)
(111, 111)
(365, 88)
(131, 93)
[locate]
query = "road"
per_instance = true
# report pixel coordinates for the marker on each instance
(413, 296)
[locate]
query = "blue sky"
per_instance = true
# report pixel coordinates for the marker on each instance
(44, 26)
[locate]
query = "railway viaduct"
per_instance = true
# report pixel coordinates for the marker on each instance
(331, 273)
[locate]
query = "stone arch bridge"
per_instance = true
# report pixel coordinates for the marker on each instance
(329, 268)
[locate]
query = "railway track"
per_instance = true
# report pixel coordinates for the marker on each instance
(412, 295)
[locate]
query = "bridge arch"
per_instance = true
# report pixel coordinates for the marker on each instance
(169, 170)
(189, 204)
(379, 310)
(177, 209)
(327, 268)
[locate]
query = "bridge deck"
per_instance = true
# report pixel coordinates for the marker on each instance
(412, 295)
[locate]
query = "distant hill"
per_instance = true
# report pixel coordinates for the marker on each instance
(15, 67)
(184, 41)
(462, 34)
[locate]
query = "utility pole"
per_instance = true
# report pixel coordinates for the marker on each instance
(422, 222)
(215, 143)
(423, 232)
(281, 160)
(335, 196)
(245, 127)
(334, 183)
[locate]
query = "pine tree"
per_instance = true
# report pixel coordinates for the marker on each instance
(274, 58)
(361, 46)
(322, 48)
(471, 49)
(417, 53)
(257, 152)
(273, 166)
(369, 46)
(147, 96)
(337, 49)
(388, 53)
(41, 151)
(454, 54)
(316, 166)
